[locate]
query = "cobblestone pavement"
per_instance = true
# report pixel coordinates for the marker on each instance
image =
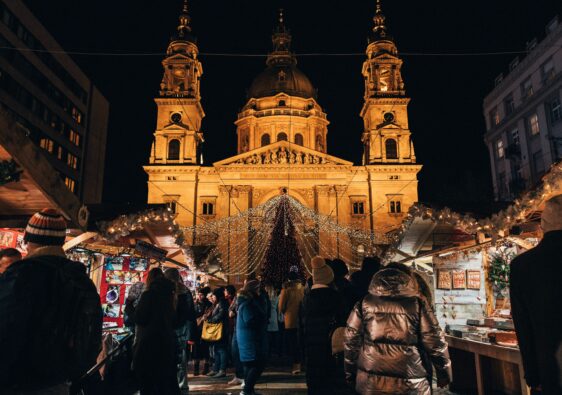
(275, 381)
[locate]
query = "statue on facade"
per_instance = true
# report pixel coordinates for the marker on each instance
(282, 156)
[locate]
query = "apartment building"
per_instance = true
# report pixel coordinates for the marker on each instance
(524, 116)
(53, 102)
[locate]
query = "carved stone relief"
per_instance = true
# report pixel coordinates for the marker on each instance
(281, 156)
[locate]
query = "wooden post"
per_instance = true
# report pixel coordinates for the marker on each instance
(488, 287)
(479, 378)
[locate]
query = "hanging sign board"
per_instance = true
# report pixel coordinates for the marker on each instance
(150, 250)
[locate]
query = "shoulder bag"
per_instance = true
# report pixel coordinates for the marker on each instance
(211, 332)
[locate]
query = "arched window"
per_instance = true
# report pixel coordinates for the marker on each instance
(391, 149)
(299, 139)
(282, 103)
(282, 136)
(265, 140)
(174, 149)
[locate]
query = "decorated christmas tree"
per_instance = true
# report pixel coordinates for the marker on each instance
(282, 255)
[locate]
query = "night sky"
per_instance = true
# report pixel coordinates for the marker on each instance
(447, 91)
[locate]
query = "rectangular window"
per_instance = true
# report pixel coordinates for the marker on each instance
(547, 70)
(47, 144)
(500, 149)
(358, 208)
(527, 88)
(509, 104)
(494, 117)
(72, 161)
(395, 206)
(70, 184)
(534, 124)
(74, 138)
(208, 208)
(555, 110)
(59, 153)
(515, 137)
(76, 115)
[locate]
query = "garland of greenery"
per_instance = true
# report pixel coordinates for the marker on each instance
(499, 269)
(9, 172)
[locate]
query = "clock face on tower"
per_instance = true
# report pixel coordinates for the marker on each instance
(176, 117)
(388, 117)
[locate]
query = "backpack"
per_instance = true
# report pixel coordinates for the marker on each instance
(77, 318)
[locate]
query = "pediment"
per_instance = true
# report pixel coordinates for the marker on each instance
(173, 127)
(283, 153)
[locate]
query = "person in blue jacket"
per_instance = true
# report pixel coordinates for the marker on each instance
(251, 333)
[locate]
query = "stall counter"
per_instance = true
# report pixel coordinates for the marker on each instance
(490, 367)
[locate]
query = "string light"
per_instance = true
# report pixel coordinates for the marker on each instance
(497, 225)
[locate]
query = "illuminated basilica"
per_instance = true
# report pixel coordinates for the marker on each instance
(282, 145)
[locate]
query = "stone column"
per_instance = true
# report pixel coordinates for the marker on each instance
(325, 202)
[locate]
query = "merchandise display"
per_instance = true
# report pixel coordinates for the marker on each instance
(119, 273)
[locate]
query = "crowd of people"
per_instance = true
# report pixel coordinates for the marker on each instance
(370, 332)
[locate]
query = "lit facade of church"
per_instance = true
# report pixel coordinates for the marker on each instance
(282, 144)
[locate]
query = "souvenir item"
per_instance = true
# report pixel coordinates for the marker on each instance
(138, 264)
(112, 295)
(473, 279)
(115, 277)
(111, 310)
(114, 263)
(459, 279)
(444, 279)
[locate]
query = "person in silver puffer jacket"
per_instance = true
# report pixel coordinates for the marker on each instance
(387, 333)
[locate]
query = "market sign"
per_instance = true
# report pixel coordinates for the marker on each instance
(150, 250)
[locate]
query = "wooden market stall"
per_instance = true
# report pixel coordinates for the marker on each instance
(468, 261)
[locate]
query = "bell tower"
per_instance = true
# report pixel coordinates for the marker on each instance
(178, 133)
(386, 137)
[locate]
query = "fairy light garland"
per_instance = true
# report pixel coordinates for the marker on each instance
(306, 222)
(496, 226)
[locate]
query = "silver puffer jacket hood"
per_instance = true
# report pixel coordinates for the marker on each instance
(393, 282)
(391, 336)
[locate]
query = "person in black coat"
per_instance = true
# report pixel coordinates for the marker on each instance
(342, 284)
(323, 311)
(219, 314)
(154, 349)
(200, 348)
(535, 304)
(361, 279)
(185, 315)
(46, 300)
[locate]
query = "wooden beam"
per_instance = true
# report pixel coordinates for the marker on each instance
(79, 240)
(175, 253)
(151, 235)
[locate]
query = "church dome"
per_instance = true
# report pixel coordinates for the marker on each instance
(282, 78)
